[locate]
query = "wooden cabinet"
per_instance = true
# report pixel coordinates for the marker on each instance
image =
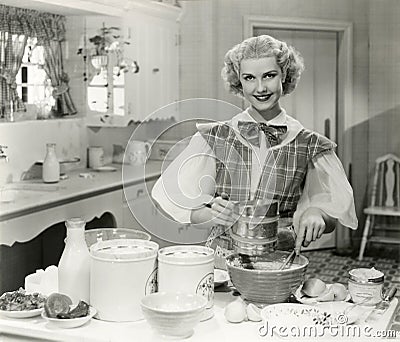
(155, 48)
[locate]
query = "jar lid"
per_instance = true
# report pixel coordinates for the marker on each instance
(75, 223)
(124, 250)
(186, 255)
(366, 275)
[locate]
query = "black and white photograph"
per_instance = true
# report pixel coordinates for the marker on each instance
(199, 170)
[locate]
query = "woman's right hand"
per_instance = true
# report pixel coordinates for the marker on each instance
(220, 213)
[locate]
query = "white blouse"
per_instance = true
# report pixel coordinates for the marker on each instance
(189, 181)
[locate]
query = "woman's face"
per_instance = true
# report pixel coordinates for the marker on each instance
(261, 81)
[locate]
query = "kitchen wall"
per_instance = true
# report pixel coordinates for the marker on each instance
(211, 27)
(384, 79)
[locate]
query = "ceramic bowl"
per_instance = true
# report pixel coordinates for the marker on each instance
(104, 234)
(69, 323)
(173, 314)
(259, 280)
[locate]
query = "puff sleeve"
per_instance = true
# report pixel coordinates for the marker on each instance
(327, 188)
(188, 182)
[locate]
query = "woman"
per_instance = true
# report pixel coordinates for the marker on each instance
(260, 153)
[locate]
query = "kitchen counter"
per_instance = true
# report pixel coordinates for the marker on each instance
(75, 187)
(19, 219)
(214, 329)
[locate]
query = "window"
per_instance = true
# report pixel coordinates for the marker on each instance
(105, 93)
(33, 84)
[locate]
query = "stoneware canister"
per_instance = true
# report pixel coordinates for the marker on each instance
(122, 272)
(189, 269)
(95, 157)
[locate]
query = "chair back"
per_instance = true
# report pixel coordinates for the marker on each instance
(386, 187)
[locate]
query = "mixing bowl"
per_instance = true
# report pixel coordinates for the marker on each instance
(104, 234)
(259, 280)
(173, 314)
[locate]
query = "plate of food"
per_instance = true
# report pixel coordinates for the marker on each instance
(314, 290)
(221, 277)
(19, 304)
(60, 312)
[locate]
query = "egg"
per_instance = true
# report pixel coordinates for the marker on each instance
(253, 313)
(313, 287)
(326, 296)
(235, 312)
(339, 291)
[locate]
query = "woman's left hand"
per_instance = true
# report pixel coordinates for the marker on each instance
(311, 227)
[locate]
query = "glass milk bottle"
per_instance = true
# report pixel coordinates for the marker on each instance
(74, 265)
(51, 166)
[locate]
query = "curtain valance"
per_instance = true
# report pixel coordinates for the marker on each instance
(32, 23)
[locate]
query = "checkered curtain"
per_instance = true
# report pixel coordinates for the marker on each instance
(59, 79)
(49, 29)
(12, 49)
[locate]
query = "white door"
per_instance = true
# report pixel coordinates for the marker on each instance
(314, 101)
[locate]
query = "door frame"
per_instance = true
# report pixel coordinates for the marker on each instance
(344, 82)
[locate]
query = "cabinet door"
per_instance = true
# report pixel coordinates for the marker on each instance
(155, 50)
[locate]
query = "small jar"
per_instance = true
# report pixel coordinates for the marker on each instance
(366, 285)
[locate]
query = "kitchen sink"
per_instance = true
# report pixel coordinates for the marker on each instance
(19, 192)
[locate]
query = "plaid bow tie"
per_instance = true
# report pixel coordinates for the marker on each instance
(250, 131)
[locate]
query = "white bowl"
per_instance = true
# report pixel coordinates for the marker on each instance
(67, 323)
(173, 314)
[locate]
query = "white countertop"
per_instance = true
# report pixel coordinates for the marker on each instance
(34, 195)
(214, 329)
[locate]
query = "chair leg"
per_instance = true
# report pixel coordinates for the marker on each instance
(364, 237)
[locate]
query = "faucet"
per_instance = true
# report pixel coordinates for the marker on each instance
(2, 153)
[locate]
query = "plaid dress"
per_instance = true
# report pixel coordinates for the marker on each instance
(283, 173)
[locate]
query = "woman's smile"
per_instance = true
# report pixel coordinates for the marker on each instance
(261, 81)
(263, 98)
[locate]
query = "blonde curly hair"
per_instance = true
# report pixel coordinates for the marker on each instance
(287, 57)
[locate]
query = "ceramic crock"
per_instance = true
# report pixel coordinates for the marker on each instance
(122, 272)
(188, 269)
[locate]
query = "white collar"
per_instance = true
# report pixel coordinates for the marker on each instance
(279, 120)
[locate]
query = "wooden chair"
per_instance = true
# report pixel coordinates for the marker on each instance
(385, 203)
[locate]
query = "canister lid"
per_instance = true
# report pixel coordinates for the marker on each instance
(186, 255)
(366, 275)
(124, 249)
